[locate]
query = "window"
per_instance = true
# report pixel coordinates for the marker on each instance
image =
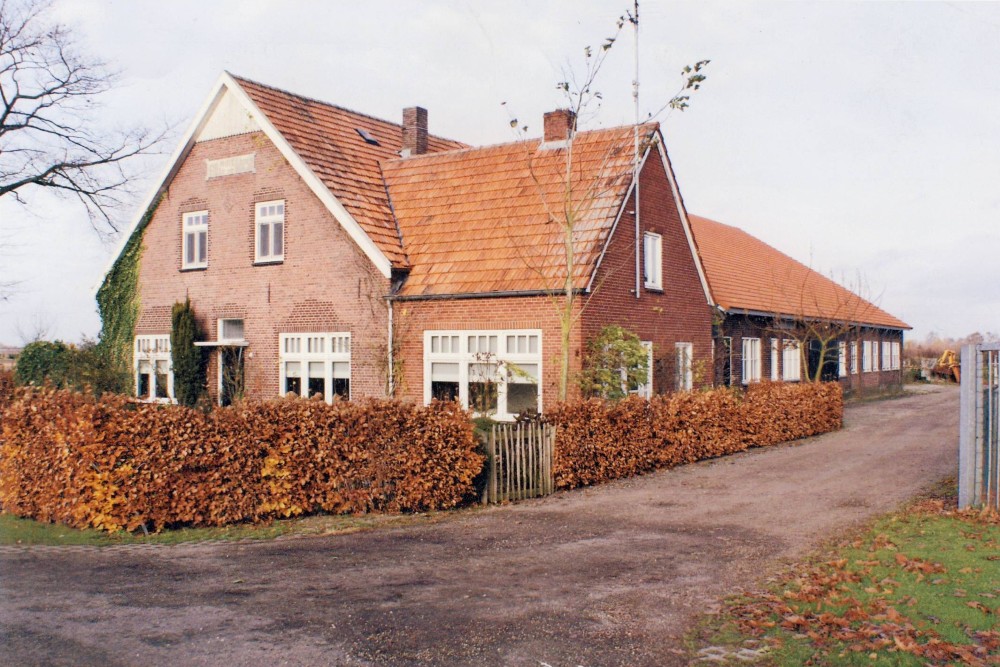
(644, 390)
(751, 360)
(868, 363)
(270, 231)
(490, 372)
(774, 360)
(154, 376)
(231, 331)
(685, 372)
(312, 364)
(895, 356)
(195, 240)
(842, 359)
(652, 252)
(726, 352)
(791, 361)
(854, 357)
(886, 355)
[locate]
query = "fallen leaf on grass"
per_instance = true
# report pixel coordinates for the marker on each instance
(975, 604)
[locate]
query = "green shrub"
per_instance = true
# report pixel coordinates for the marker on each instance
(69, 366)
(41, 361)
(616, 360)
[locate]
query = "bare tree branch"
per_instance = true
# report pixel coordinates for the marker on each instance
(49, 135)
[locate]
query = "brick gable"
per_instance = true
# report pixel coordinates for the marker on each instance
(325, 283)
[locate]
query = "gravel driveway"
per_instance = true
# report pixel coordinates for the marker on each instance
(609, 575)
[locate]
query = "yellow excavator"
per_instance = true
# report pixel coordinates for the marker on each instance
(948, 367)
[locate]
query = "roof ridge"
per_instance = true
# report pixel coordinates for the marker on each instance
(654, 126)
(285, 91)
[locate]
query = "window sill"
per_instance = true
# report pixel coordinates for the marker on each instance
(268, 262)
(186, 269)
(654, 288)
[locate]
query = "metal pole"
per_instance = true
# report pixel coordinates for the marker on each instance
(967, 430)
(635, 140)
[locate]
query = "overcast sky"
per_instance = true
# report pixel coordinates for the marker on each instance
(860, 138)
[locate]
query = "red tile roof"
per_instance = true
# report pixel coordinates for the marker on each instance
(747, 275)
(326, 138)
(489, 219)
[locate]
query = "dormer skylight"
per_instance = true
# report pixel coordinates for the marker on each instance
(369, 139)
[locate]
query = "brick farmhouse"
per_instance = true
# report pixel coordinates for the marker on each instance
(328, 252)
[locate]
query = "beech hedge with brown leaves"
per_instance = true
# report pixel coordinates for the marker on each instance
(598, 441)
(6, 389)
(111, 463)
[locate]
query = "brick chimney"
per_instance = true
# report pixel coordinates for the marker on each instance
(559, 124)
(414, 131)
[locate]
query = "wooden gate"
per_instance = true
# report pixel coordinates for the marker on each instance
(519, 461)
(979, 436)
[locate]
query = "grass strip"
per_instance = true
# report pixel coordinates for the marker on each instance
(919, 587)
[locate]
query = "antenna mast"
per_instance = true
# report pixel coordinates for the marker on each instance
(635, 140)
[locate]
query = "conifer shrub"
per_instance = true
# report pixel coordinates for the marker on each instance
(189, 361)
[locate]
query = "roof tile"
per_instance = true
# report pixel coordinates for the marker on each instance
(326, 138)
(488, 219)
(746, 274)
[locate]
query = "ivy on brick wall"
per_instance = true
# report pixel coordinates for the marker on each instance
(118, 303)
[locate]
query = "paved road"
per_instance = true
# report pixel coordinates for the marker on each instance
(601, 576)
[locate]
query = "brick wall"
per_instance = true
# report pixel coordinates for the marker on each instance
(678, 313)
(739, 327)
(325, 282)
(413, 318)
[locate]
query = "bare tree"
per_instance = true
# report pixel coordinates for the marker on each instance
(49, 135)
(38, 328)
(571, 201)
(823, 314)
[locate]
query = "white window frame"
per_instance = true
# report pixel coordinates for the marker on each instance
(152, 349)
(867, 361)
(775, 370)
(221, 324)
(652, 255)
(328, 348)
(895, 355)
(266, 222)
(842, 359)
(791, 360)
(685, 366)
(854, 357)
(751, 360)
(644, 390)
(887, 355)
(194, 224)
(466, 358)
